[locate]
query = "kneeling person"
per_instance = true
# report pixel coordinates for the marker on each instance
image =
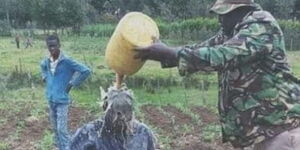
(117, 129)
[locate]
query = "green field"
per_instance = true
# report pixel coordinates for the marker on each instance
(164, 100)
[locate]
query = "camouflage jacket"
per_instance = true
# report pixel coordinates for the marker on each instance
(258, 97)
(87, 138)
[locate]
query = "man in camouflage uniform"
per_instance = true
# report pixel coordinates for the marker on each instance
(259, 99)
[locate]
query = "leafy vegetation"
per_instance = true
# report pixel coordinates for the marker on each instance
(21, 88)
(196, 29)
(161, 93)
(63, 14)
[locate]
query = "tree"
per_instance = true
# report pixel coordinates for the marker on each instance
(59, 13)
(47, 13)
(5, 10)
(285, 8)
(296, 10)
(72, 14)
(98, 5)
(278, 8)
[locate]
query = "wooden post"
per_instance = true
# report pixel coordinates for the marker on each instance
(291, 45)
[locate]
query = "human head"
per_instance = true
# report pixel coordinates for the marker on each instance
(231, 12)
(53, 45)
(230, 20)
(118, 107)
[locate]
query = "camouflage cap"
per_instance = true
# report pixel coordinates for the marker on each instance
(222, 7)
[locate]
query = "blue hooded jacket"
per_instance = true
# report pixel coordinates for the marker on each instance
(64, 74)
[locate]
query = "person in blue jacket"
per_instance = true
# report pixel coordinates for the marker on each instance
(58, 72)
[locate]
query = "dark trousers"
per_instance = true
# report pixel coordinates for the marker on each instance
(18, 44)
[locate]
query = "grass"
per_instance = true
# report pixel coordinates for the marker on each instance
(4, 146)
(90, 51)
(294, 57)
(210, 132)
(46, 143)
(175, 96)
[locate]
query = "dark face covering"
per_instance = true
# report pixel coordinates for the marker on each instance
(230, 20)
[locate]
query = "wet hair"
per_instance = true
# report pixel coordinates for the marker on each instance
(53, 37)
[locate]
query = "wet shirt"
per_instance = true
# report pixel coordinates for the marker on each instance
(258, 96)
(88, 138)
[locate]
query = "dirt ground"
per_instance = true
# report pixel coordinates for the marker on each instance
(22, 131)
(170, 120)
(29, 130)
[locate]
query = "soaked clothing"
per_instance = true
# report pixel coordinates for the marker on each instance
(88, 138)
(258, 96)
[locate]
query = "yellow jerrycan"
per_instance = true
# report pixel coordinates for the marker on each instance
(135, 29)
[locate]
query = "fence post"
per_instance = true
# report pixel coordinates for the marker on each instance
(291, 45)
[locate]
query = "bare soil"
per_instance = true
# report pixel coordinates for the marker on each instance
(206, 115)
(171, 120)
(158, 118)
(22, 132)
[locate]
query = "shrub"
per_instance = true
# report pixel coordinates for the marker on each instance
(5, 28)
(99, 30)
(197, 29)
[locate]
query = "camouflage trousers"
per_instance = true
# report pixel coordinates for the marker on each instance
(288, 140)
(58, 115)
